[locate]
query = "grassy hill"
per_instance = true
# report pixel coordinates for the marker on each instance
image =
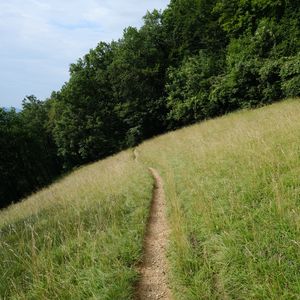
(79, 238)
(233, 194)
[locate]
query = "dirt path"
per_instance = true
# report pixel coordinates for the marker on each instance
(135, 155)
(153, 283)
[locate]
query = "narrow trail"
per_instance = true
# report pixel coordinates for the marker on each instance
(153, 270)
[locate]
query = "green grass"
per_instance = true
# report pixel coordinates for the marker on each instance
(80, 238)
(233, 192)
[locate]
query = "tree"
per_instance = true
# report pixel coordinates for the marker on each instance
(138, 75)
(28, 157)
(85, 125)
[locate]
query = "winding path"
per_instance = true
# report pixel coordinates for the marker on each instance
(153, 283)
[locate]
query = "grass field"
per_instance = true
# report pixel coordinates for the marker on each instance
(233, 189)
(233, 193)
(79, 238)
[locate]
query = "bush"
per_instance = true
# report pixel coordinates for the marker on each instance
(290, 76)
(270, 81)
(188, 89)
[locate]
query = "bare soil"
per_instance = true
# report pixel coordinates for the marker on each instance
(153, 283)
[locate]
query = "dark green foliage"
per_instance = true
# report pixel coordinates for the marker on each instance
(28, 157)
(188, 89)
(260, 64)
(85, 122)
(138, 79)
(290, 75)
(115, 96)
(192, 25)
(195, 60)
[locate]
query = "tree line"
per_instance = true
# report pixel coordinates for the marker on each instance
(195, 60)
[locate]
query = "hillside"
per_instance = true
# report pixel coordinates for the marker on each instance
(232, 192)
(195, 60)
(79, 238)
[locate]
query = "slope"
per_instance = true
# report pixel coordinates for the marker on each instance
(80, 238)
(233, 191)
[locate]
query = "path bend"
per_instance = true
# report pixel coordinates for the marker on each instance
(153, 283)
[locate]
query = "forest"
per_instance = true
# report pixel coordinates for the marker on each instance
(195, 60)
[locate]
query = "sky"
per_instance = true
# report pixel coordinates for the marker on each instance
(39, 39)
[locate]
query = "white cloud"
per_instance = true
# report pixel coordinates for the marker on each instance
(40, 38)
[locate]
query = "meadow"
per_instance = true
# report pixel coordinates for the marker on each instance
(233, 192)
(233, 197)
(80, 238)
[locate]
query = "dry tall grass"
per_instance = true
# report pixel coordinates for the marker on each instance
(80, 238)
(233, 192)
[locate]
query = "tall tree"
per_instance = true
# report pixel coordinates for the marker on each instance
(138, 78)
(28, 158)
(86, 126)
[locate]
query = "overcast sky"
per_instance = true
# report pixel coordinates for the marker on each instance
(41, 38)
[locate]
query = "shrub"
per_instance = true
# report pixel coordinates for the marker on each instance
(290, 76)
